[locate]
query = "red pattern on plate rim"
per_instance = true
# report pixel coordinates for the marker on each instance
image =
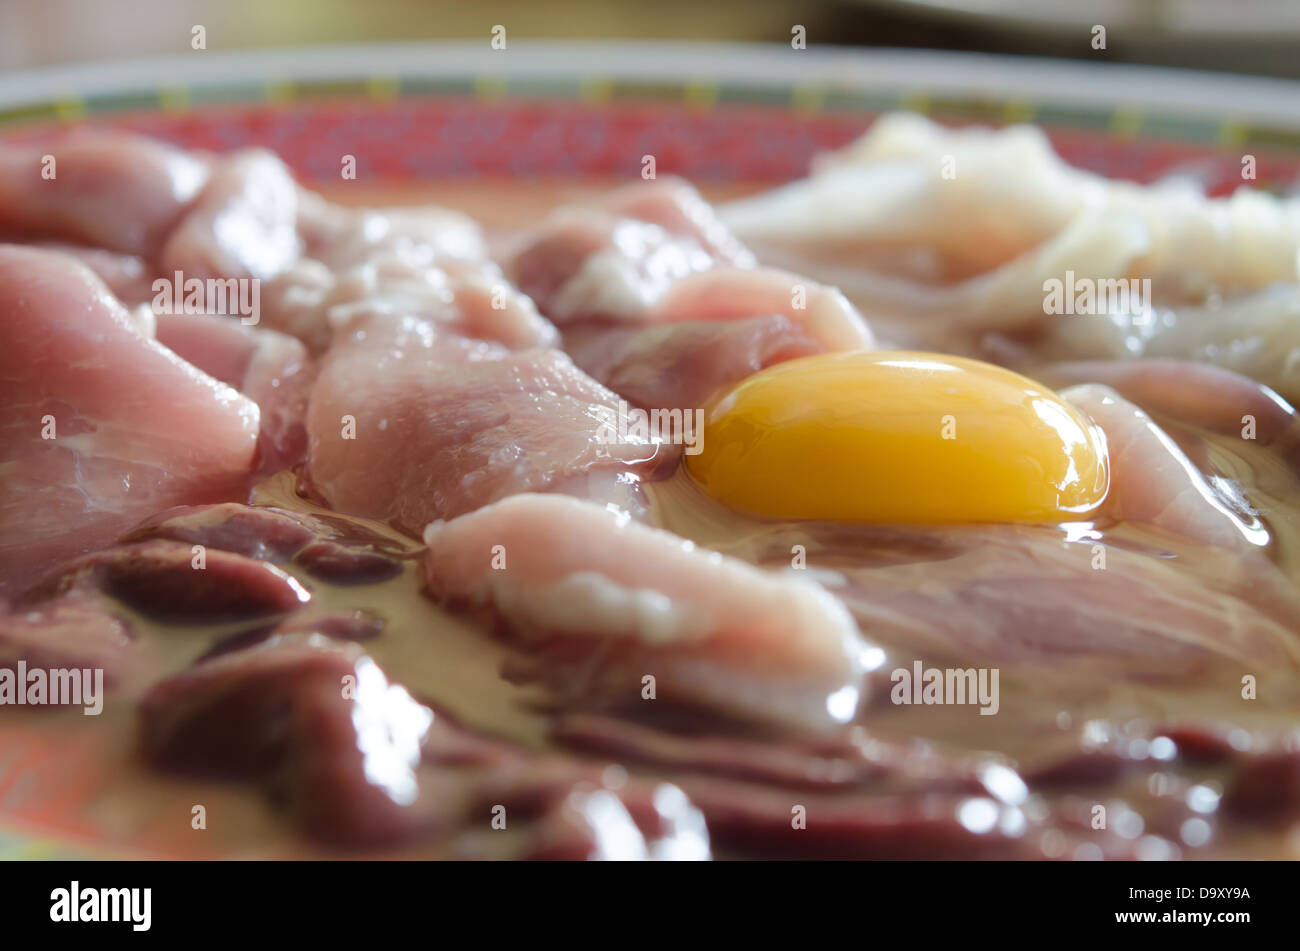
(422, 139)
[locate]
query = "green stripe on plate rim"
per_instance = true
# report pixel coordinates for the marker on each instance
(697, 93)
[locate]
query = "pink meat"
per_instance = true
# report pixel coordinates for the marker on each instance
(412, 262)
(673, 204)
(1198, 394)
(312, 303)
(419, 236)
(631, 600)
(127, 275)
(1153, 482)
(636, 240)
(136, 428)
(458, 423)
(1027, 596)
(583, 264)
(327, 547)
(242, 225)
(654, 254)
(682, 365)
(122, 193)
(270, 368)
(158, 579)
(725, 294)
(474, 303)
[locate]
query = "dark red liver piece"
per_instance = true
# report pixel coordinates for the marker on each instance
(1199, 744)
(641, 821)
(256, 531)
(358, 763)
(163, 580)
(316, 724)
(785, 764)
(1265, 789)
(339, 564)
(327, 548)
(339, 625)
(1092, 768)
(760, 821)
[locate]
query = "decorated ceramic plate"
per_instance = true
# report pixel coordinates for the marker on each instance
(648, 451)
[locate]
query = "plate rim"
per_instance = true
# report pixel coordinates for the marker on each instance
(905, 72)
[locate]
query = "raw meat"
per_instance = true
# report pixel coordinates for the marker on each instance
(713, 631)
(134, 428)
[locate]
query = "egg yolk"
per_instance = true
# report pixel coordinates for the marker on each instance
(900, 436)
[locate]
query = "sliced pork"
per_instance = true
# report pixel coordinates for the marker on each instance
(272, 369)
(460, 422)
(617, 257)
(1196, 394)
(244, 224)
(676, 206)
(1028, 596)
(121, 193)
(103, 425)
(639, 257)
(429, 263)
(1154, 483)
(722, 294)
(658, 301)
(126, 275)
(682, 365)
(636, 601)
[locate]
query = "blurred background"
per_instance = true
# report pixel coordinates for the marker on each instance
(1247, 36)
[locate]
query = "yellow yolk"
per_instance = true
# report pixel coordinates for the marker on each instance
(899, 436)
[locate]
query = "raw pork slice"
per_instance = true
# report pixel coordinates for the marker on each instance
(127, 275)
(615, 257)
(244, 224)
(1154, 483)
(408, 423)
(680, 366)
(122, 193)
(673, 204)
(633, 601)
(407, 262)
(658, 301)
(268, 367)
(133, 428)
(1198, 394)
(1028, 596)
(655, 254)
(733, 294)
